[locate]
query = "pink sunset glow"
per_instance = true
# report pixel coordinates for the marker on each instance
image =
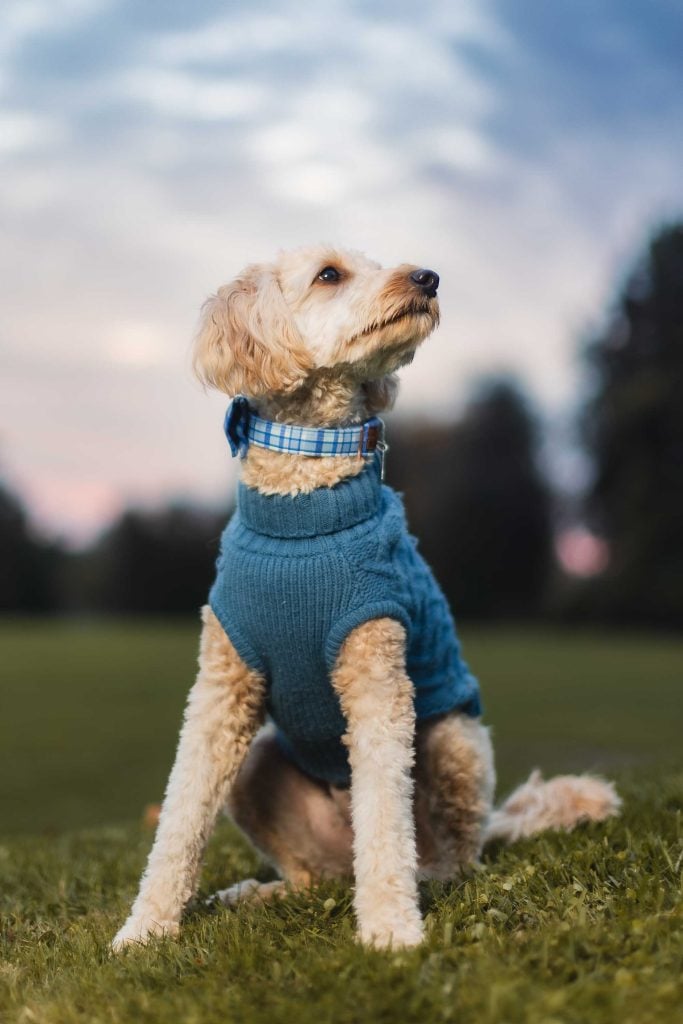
(581, 553)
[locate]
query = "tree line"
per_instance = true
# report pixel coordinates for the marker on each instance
(475, 493)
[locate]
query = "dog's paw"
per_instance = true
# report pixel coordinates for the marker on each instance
(137, 931)
(235, 894)
(402, 934)
(249, 889)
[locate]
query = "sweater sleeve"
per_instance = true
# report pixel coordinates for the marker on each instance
(379, 609)
(376, 591)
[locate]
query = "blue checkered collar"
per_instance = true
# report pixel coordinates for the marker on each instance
(243, 427)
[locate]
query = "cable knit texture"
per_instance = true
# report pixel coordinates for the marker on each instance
(297, 574)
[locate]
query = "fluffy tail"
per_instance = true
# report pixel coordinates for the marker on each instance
(562, 802)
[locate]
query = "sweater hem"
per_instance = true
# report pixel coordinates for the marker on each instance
(344, 626)
(330, 776)
(470, 706)
(239, 641)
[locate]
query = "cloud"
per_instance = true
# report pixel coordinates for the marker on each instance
(151, 150)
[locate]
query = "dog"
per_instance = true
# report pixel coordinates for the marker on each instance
(332, 716)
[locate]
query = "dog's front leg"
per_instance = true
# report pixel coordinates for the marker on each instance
(376, 697)
(224, 711)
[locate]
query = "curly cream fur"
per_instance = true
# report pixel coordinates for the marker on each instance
(456, 780)
(376, 697)
(224, 710)
(562, 802)
(251, 318)
(293, 820)
(307, 352)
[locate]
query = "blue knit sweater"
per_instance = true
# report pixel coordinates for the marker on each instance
(297, 574)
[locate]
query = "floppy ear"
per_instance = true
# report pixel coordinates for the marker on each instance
(381, 394)
(246, 342)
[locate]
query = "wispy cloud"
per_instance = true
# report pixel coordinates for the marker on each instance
(149, 151)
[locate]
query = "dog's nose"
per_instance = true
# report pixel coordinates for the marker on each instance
(427, 280)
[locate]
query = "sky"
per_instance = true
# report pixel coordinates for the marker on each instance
(148, 151)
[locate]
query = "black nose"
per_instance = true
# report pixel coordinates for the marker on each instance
(427, 280)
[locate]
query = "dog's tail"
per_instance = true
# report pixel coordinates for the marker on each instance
(559, 803)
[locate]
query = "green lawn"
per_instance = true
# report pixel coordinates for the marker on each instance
(563, 929)
(90, 712)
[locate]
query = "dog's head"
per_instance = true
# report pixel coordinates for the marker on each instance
(277, 324)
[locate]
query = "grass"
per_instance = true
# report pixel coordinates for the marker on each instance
(584, 928)
(91, 711)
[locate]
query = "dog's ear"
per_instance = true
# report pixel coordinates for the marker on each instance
(246, 342)
(381, 394)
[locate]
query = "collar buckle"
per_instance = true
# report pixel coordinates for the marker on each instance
(382, 448)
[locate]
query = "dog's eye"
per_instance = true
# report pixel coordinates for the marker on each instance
(330, 275)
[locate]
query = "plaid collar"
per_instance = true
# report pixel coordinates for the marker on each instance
(243, 427)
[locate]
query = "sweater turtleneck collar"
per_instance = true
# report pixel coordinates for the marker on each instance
(322, 511)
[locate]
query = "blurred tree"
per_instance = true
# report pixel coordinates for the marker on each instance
(633, 427)
(29, 566)
(479, 505)
(151, 562)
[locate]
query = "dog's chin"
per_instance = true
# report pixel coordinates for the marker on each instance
(424, 321)
(416, 320)
(399, 338)
(405, 329)
(387, 345)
